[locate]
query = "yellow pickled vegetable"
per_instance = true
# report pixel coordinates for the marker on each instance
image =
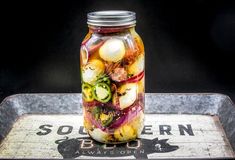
(104, 117)
(141, 86)
(138, 123)
(125, 133)
(113, 50)
(87, 124)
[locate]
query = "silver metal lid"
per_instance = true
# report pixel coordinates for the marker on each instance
(111, 18)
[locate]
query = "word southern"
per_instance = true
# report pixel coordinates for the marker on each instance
(183, 130)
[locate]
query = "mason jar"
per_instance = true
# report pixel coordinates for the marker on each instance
(112, 73)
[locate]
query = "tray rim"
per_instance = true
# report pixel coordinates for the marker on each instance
(222, 98)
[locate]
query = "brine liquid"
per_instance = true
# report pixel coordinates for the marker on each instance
(112, 70)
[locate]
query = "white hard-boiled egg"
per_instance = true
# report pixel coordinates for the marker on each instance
(113, 50)
(128, 94)
(92, 70)
(137, 66)
(98, 135)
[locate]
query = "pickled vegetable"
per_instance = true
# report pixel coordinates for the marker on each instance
(127, 94)
(137, 67)
(102, 92)
(87, 94)
(124, 133)
(92, 70)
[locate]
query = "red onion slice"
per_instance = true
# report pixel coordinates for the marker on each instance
(90, 46)
(96, 103)
(129, 116)
(134, 79)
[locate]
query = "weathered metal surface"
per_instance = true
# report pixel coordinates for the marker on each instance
(210, 142)
(164, 136)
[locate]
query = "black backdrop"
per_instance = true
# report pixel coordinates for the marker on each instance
(190, 45)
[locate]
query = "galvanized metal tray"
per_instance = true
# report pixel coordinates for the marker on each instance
(176, 126)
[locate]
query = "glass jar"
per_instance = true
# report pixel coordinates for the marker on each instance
(112, 71)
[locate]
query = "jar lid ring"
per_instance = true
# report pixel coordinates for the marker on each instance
(111, 18)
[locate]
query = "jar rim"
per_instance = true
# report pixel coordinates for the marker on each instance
(111, 18)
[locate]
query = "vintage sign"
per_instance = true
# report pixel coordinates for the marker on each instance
(163, 136)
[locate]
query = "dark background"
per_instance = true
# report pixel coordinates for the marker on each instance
(190, 45)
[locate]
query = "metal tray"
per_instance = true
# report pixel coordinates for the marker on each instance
(14, 108)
